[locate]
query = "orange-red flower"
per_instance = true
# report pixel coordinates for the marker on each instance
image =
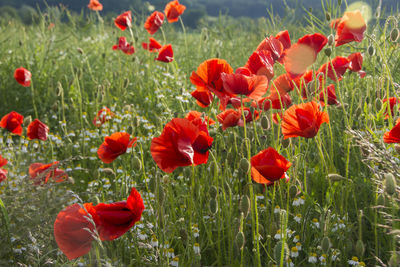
(392, 101)
(173, 10)
(40, 173)
(355, 65)
(196, 118)
(103, 115)
(261, 63)
(207, 79)
(74, 226)
(152, 46)
(350, 27)
(181, 143)
(272, 45)
(124, 20)
(303, 120)
(233, 117)
(393, 136)
(165, 54)
(330, 93)
(268, 166)
(3, 172)
(115, 145)
(253, 86)
(12, 122)
(303, 54)
(154, 22)
(37, 130)
(124, 46)
(335, 68)
(23, 76)
(95, 5)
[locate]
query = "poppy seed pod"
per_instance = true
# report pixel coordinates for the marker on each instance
(390, 184)
(239, 240)
(371, 50)
(244, 165)
(136, 163)
(360, 248)
(327, 16)
(328, 51)
(265, 123)
(325, 244)
(331, 39)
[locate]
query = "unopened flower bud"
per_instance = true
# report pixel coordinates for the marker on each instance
(239, 240)
(325, 244)
(328, 51)
(244, 205)
(265, 123)
(244, 165)
(136, 163)
(213, 206)
(371, 50)
(394, 35)
(213, 192)
(360, 248)
(390, 184)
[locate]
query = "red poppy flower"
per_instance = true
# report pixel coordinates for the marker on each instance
(268, 166)
(41, 173)
(166, 54)
(182, 143)
(115, 219)
(196, 118)
(152, 46)
(276, 117)
(272, 45)
(173, 10)
(302, 81)
(260, 63)
(154, 22)
(12, 122)
(330, 93)
(37, 130)
(280, 101)
(303, 120)
(283, 84)
(124, 20)
(340, 65)
(303, 54)
(284, 38)
(3, 172)
(350, 27)
(233, 117)
(73, 230)
(124, 46)
(207, 80)
(23, 76)
(95, 5)
(103, 115)
(393, 101)
(253, 86)
(115, 145)
(355, 65)
(393, 136)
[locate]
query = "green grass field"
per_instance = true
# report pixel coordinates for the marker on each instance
(340, 206)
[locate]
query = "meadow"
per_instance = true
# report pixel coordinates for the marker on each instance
(335, 203)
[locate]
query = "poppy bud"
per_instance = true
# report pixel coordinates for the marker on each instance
(244, 205)
(239, 240)
(54, 107)
(213, 192)
(161, 195)
(80, 50)
(371, 50)
(136, 163)
(310, 9)
(360, 248)
(390, 184)
(328, 16)
(380, 200)
(325, 244)
(339, 2)
(394, 260)
(378, 12)
(184, 235)
(397, 148)
(285, 143)
(213, 206)
(109, 171)
(378, 104)
(244, 165)
(165, 179)
(292, 191)
(331, 39)
(265, 123)
(394, 35)
(334, 177)
(328, 51)
(27, 120)
(278, 251)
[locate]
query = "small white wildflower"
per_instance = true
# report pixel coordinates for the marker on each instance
(170, 253)
(277, 209)
(175, 262)
(154, 241)
(196, 248)
(315, 223)
(294, 252)
(296, 202)
(298, 246)
(296, 239)
(322, 259)
(353, 261)
(312, 258)
(297, 218)
(278, 236)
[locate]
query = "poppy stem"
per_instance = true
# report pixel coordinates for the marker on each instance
(33, 100)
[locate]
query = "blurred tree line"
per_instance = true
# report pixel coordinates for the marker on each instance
(196, 9)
